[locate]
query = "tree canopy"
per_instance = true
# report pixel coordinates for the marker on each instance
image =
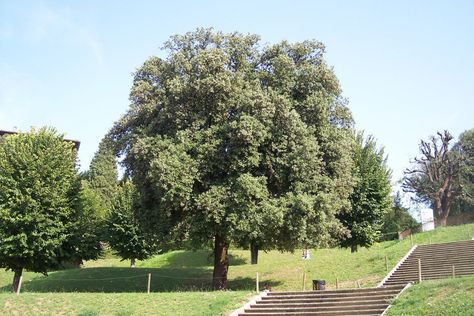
(227, 141)
(464, 149)
(123, 232)
(434, 177)
(102, 178)
(370, 200)
(39, 199)
(398, 219)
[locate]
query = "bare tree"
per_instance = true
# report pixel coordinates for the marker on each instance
(434, 176)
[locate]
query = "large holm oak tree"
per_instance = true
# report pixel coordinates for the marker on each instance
(434, 177)
(228, 142)
(40, 204)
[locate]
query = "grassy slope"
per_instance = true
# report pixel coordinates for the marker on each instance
(184, 271)
(440, 297)
(285, 271)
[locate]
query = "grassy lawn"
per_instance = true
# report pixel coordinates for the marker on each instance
(181, 279)
(440, 297)
(123, 304)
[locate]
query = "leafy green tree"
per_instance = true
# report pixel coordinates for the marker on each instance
(39, 190)
(464, 148)
(124, 233)
(371, 197)
(434, 177)
(102, 177)
(230, 142)
(398, 219)
(85, 235)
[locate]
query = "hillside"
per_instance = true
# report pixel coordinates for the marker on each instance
(186, 275)
(440, 297)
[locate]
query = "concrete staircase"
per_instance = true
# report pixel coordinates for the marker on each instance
(367, 301)
(438, 261)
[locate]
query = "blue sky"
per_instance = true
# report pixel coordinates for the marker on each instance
(407, 67)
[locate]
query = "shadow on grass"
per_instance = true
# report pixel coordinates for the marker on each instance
(198, 258)
(248, 284)
(122, 280)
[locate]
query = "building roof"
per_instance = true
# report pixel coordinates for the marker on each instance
(76, 143)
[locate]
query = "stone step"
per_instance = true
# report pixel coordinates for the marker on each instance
(400, 282)
(423, 278)
(325, 299)
(438, 269)
(340, 300)
(439, 273)
(430, 262)
(447, 244)
(322, 304)
(441, 256)
(442, 270)
(441, 266)
(441, 253)
(462, 244)
(319, 309)
(444, 257)
(433, 272)
(366, 312)
(329, 295)
(415, 280)
(433, 248)
(354, 290)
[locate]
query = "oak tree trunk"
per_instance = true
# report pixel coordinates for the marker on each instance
(16, 279)
(221, 262)
(253, 253)
(442, 221)
(132, 263)
(442, 207)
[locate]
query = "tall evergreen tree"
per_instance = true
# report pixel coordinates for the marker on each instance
(87, 232)
(102, 177)
(123, 232)
(230, 142)
(370, 200)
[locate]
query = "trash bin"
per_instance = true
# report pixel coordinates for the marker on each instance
(319, 285)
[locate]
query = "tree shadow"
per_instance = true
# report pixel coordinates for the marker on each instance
(391, 243)
(248, 284)
(198, 258)
(122, 280)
